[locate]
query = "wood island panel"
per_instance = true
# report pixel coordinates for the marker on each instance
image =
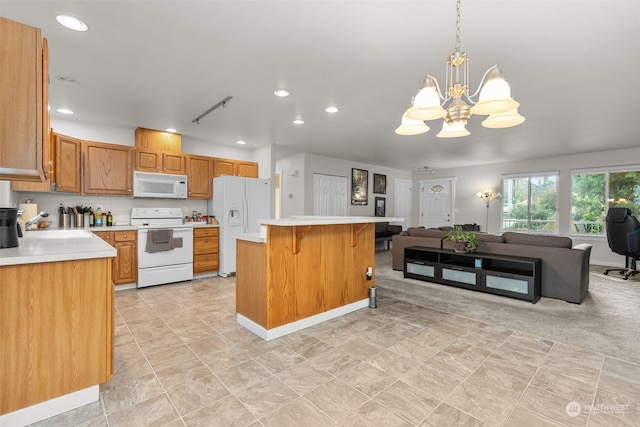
(57, 330)
(302, 271)
(251, 299)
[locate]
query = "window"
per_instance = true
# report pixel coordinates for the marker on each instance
(594, 192)
(530, 202)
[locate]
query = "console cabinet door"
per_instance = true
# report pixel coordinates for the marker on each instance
(108, 168)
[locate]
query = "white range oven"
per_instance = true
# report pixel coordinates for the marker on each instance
(165, 246)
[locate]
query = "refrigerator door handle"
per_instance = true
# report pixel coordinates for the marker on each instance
(245, 220)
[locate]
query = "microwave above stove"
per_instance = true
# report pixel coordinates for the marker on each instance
(159, 185)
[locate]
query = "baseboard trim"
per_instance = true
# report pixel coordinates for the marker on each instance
(280, 331)
(56, 406)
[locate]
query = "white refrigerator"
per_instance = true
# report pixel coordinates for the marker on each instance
(238, 203)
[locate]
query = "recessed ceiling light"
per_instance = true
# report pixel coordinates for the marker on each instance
(281, 93)
(72, 23)
(240, 142)
(331, 110)
(172, 130)
(64, 111)
(298, 122)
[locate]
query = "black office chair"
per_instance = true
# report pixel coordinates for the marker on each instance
(623, 236)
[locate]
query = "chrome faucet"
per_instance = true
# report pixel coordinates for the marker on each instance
(42, 214)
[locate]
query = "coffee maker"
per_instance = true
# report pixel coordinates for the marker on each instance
(8, 227)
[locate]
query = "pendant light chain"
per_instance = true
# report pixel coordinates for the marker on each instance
(457, 49)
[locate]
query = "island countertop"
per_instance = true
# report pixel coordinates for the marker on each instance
(56, 245)
(326, 220)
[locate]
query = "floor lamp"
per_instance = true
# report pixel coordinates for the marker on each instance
(488, 197)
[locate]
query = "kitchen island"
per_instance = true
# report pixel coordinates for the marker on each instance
(56, 312)
(302, 271)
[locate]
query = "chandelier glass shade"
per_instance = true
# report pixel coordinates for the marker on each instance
(456, 106)
(411, 127)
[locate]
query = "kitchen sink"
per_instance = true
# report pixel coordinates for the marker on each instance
(57, 234)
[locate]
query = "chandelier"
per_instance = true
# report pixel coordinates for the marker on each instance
(457, 106)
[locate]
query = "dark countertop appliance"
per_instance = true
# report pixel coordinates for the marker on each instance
(8, 227)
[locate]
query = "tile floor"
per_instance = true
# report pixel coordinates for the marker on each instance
(182, 360)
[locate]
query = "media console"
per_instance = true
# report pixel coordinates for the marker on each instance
(515, 277)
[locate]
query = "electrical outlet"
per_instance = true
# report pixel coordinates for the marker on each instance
(99, 207)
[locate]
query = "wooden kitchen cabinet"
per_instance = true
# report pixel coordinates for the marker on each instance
(46, 185)
(205, 249)
(107, 168)
(57, 330)
(65, 170)
(124, 266)
(155, 140)
(224, 167)
(247, 169)
(24, 116)
(234, 168)
(199, 184)
(68, 154)
(159, 162)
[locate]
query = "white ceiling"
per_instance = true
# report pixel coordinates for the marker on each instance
(574, 66)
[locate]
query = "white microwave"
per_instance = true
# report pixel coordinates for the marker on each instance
(159, 185)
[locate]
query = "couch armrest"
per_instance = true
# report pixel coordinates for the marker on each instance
(583, 247)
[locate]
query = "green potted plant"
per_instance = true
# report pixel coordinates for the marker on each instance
(465, 241)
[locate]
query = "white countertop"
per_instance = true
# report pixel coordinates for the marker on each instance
(327, 220)
(252, 237)
(54, 245)
(203, 225)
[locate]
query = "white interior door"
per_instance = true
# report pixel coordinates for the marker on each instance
(403, 200)
(436, 202)
(330, 195)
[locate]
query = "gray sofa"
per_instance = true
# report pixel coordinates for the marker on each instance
(565, 268)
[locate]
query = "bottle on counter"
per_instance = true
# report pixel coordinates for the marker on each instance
(109, 219)
(91, 219)
(98, 218)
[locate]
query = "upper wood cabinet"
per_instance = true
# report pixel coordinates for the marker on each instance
(224, 167)
(199, 184)
(24, 118)
(234, 167)
(108, 168)
(247, 169)
(68, 154)
(156, 140)
(159, 162)
(45, 186)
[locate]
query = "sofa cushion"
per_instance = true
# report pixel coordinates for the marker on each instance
(426, 232)
(537, 240)
(493, 238)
